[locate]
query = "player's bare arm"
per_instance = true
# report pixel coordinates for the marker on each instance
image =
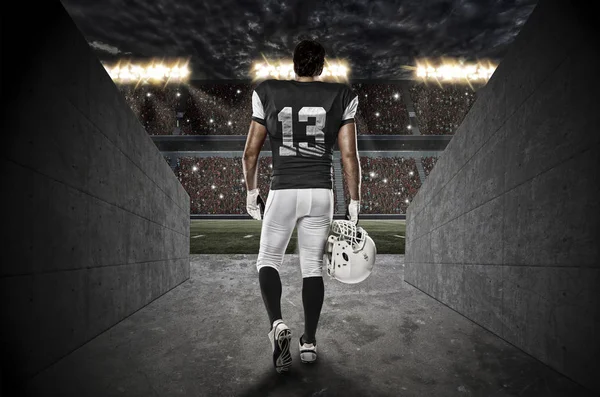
(349, 153)
(254, 143)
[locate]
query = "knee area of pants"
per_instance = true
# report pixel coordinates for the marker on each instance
(265, 266)
(311, 275)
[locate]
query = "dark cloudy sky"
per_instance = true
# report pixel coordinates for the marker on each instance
(224, 37)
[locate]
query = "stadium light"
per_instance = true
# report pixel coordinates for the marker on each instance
(335, 70)
(152, 72)
(453, 71)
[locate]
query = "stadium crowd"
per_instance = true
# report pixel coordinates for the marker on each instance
(428, 163)
(207, 109)
(381, 110)
(440, 111)
(217, 109)
(226, 108)
(155, 108)
(388, 184)
(216, 184)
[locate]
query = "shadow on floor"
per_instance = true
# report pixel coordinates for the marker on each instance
(382, 337)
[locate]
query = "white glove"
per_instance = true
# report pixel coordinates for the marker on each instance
(255, 204)
(353, 210)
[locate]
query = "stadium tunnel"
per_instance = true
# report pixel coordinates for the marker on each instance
(496, 295)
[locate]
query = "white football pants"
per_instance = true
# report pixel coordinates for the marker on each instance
(312, 211)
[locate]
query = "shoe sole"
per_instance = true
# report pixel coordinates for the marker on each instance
(281, 356)
(305, 350)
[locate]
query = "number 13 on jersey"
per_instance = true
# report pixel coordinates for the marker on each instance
(304, 148)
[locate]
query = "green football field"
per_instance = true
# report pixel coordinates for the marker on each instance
(243, 236)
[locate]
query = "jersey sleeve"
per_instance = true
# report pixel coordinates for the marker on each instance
(349, 105)
(258, 103)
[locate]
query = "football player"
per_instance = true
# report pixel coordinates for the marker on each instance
(303, 119)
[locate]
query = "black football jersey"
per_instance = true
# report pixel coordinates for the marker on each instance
(303, 120)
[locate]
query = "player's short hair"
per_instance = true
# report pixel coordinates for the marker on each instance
(309, 58)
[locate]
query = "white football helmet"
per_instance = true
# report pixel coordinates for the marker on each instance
(350, 253)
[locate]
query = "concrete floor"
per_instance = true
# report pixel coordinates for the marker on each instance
(383, 337)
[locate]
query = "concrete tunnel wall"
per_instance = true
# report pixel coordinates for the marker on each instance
(97, 223)
(505, 229)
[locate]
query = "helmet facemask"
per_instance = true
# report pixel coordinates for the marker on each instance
(352, 234)
(350, 252)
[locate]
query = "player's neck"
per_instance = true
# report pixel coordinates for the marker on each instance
(304, 78)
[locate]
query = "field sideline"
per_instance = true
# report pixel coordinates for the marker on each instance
(243, 236)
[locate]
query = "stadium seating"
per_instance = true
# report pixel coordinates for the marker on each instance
(155, 108)
(211, 109)
(217, 109)
(428, 163)
(440, 111)
(226, 109)
(216, 184)
(381, 110)
(386, 184)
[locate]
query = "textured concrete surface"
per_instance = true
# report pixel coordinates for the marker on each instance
(505, 229)
(98, 225)
(383, 337)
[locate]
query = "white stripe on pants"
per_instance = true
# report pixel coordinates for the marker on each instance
(312, 210)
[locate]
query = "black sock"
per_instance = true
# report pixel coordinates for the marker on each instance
(270, 287)
(303, 340)
(313, 292)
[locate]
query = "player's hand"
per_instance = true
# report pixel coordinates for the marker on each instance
(255, 204)
(352, 211)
